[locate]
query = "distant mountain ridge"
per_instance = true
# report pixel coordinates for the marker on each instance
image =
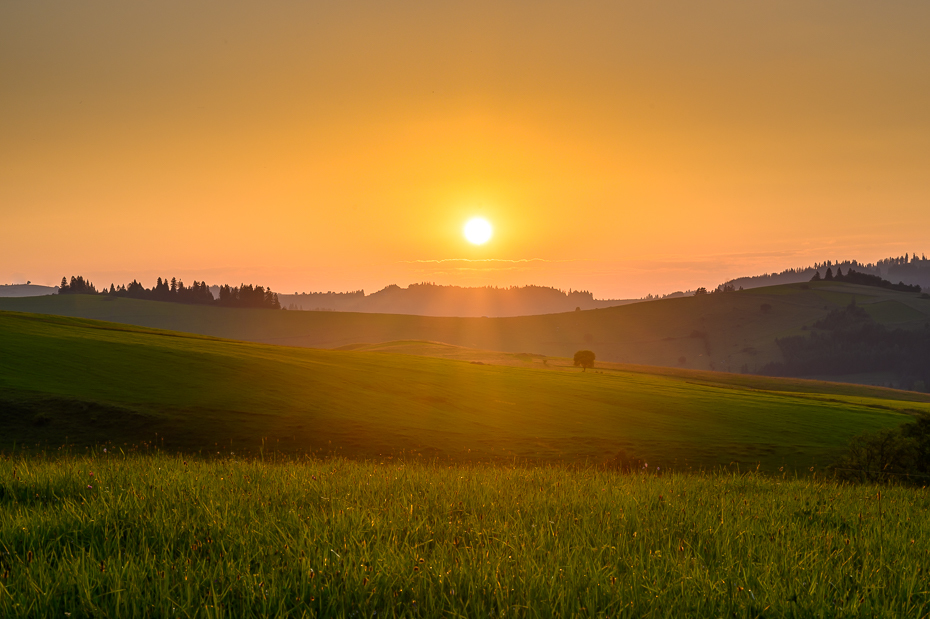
(908, 269)
(428, 299)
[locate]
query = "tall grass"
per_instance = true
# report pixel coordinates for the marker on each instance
(159, 535)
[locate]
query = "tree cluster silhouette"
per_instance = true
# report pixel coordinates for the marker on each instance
(78, 285)
(245, 295)
(863, 279)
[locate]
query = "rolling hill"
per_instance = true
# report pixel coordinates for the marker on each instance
(25, 290)
(733, 332)
(83, 382)
(435, 300)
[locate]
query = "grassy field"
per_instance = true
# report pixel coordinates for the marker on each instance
(169, 536)
(81, 382)
(722, 332)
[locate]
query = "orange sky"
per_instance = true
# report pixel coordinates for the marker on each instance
(624, 148)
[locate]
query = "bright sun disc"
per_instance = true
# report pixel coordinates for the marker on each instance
(478, 231)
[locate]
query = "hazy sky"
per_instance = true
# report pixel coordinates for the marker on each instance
(620, 147)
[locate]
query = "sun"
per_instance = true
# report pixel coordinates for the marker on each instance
(478, 231)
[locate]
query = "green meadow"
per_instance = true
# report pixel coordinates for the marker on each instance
(67, 381)
(106, 535)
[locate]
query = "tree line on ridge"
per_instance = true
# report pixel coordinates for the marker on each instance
(863, 279)
(909, 268)
(245, 295)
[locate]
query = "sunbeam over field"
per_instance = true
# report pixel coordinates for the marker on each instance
(732, 332)
(88, 382)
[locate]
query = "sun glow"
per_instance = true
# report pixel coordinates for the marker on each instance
(478, 231)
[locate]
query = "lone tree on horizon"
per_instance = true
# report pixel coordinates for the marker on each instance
(584, 358)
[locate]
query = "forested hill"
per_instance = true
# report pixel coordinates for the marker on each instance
(908, 269)
(434, 300)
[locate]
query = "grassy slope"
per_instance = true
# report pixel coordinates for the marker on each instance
(821, 388)
(101, 381)
(655, 333)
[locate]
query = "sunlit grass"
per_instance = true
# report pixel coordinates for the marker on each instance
(161, 535)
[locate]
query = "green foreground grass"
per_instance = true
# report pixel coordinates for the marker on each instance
(161, 535)
(85, 383)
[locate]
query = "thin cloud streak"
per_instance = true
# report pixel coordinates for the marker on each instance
(518, 260)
